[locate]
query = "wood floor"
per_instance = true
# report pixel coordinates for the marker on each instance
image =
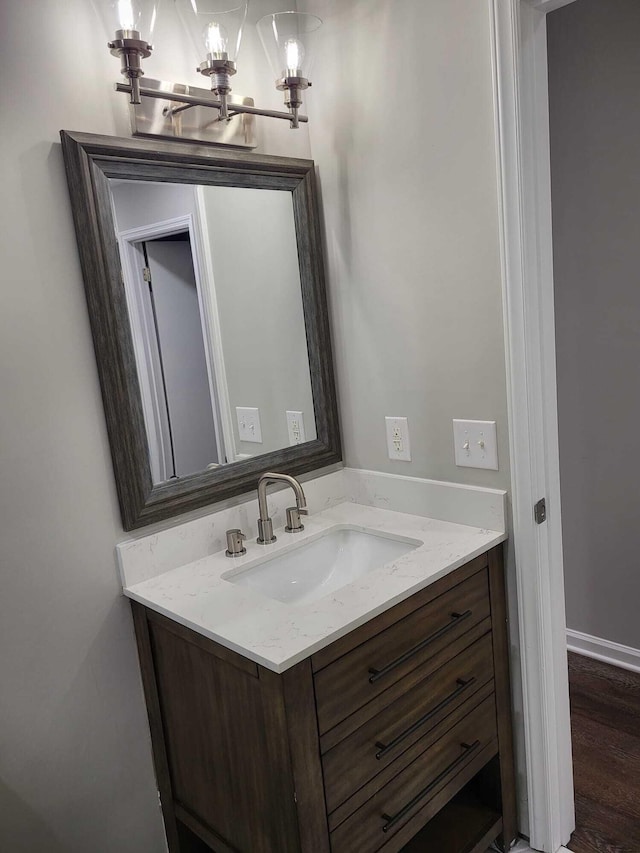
(605, 723)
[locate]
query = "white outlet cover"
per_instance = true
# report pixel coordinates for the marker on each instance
(295, 427)
(476, 444)
(398, 445)
(249, 424)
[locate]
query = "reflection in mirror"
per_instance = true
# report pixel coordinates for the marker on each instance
(213, 292)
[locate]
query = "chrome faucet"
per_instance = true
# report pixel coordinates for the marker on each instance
(265, 525)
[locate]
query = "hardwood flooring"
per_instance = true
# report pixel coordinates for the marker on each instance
(605, 725)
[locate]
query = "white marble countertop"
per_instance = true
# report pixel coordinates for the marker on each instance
(278, 635)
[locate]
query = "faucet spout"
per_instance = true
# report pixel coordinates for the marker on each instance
(265, 524)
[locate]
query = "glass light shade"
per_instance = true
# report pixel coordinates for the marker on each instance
(285, 37)
(215, 26)
(130, 18)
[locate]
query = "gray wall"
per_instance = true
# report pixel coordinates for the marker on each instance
(257, 284)
(406, 160)
(594, 85)
(138, 203)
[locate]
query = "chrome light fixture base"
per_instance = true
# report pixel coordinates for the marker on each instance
(159, 115)
(235, 109)
(293, 87)
(131, 49)
(219, 70)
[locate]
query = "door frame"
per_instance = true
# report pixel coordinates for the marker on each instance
(519, 60)
(128, 241)
(144, 345)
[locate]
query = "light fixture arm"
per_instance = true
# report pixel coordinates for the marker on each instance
(192, 101)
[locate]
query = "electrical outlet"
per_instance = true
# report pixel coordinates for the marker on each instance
(476, 444)
(398, 445)
(295, 427)
(249, 424)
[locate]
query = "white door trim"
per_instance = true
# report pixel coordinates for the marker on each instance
(143, 338)
(522, 123)
(211, 331)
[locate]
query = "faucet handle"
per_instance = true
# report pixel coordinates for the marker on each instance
(235, 548)
(265, 532)
(294, 525)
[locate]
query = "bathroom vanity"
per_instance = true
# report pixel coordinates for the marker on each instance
(346, 723)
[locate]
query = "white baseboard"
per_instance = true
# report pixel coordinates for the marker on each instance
(523, 847)
(615, 654)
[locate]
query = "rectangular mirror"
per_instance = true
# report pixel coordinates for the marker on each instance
(204, 280)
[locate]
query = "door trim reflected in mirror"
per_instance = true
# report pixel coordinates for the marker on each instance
(91, 161)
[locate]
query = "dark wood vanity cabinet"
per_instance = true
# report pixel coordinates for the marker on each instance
(396, 737)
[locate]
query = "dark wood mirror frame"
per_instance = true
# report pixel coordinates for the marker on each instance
(90, 161)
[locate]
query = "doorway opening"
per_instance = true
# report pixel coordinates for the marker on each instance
(176, 359)
(594, 121)
(522, 118)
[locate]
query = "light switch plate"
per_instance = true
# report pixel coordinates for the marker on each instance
(249, 424)
(398, 445)
(295, 427)
(476, 444)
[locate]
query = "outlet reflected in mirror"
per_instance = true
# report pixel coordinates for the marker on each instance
(214, 299)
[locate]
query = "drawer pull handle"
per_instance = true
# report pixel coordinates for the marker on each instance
(386, 748)
(456, 618)
(404, 811)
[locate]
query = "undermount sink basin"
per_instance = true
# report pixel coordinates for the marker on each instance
(323, 565)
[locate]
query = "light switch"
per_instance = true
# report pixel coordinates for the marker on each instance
(398, 445)
(476, 444)
(249, 424)
(295, 427)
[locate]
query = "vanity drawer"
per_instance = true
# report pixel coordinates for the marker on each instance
(389, 736)
(365, 672)
(406, 798)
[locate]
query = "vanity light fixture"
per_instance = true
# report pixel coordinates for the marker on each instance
(129, 19)
(216, 32)
(215, 28)
(283, 36)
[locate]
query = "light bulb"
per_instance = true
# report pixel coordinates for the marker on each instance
(216, 40)
(126, 15)
(294, 57)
